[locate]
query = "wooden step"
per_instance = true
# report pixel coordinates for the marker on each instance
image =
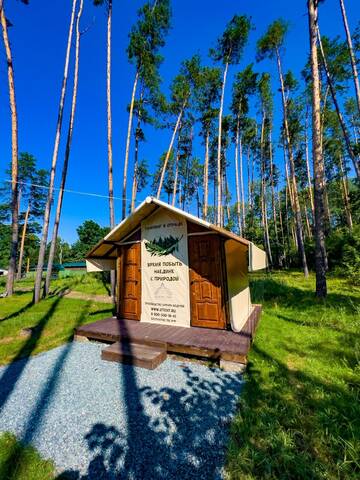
(144, 356)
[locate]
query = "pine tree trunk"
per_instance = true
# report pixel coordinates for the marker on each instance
(67, 155)
(219, 196)
(282, 229)
(252, 188)
(318, 162)
(42, 249)
(168, 153)
(14, 159)
(327, 207)
(311, 195)
(249, 206)
(346, 135)
(22, 244)
(109, 136)
(351, 53)
(136, 156)
(263, 195)
(242, 184)
(206, 175)
(228, 212)
(127, 149)
(273, 202)
(297, 212)
(307, 222)
(344, 182)
(176, 175)
(238, 207)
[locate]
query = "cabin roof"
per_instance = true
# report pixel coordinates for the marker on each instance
(106, 248)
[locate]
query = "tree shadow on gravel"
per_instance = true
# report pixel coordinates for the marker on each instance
(15, 458)
(169, 432)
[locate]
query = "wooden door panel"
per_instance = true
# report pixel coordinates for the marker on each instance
(130, 282)
(207, 306)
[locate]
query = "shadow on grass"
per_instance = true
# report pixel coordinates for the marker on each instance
(14, 370)
(18, 312)
(110, 311)
(16, 456)
(312, 323)
(275, 291)
(294, 425)
(169, 432)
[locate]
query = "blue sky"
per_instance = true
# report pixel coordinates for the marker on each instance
(38, 40)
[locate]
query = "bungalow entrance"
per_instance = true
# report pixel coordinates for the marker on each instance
(178, 278)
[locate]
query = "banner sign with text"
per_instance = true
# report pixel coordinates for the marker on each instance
(165, 296)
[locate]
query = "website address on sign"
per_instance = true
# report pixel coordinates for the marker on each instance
(172, 305)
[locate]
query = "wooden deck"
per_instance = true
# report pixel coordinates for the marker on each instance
(202, 342)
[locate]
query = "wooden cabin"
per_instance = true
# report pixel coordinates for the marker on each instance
(176, 269)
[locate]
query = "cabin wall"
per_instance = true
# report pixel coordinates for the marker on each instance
(239, 301)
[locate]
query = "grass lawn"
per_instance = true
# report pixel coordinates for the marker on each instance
(299, 415)
(299, 412)
(30, 466)
(90, 283)
(53, 320)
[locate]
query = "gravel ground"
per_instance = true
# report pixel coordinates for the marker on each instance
(101, 420)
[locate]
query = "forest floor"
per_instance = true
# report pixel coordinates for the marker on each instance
(299, 412)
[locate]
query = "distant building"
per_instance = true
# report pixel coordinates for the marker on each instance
(74, 266)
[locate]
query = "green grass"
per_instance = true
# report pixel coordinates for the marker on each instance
(89, 283)
(28, 466)
(299, 414)
(54, 320)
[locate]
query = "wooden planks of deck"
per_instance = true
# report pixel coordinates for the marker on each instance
(203, 342)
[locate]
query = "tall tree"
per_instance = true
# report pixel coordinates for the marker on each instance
(14, 155)
(183, 88)
(352, 154)
(269, 46)
(146, 109)
(67, 152)
(228, 51)
(108, 5)
(351, 53)
(318, 162)
(266, 104)
(207, 96)
(43, 242)
(146, 38)
(243, 86)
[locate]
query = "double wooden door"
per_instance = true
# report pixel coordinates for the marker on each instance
(129, 282)
(206, 282)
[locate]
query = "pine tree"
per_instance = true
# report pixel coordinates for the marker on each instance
(67, 153)
(228, 51)
(207, 96)
(44, 236)
(146, 38)
(270, 46)
(243, 86)
(320, 251)
(14, 155)
(183, 88)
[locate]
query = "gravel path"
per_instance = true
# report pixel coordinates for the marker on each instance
(101, 420)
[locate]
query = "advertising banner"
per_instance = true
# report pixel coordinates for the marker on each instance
(165, 293)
